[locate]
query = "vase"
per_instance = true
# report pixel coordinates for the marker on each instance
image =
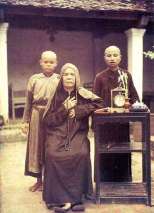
(127, 104)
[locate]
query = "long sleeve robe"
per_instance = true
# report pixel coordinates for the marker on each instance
(114, 167)
(67, 155)
(39, 89)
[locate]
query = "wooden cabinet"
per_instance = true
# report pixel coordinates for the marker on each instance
(124, 191)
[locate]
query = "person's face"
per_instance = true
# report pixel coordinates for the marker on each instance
(48, 64)
(69, 79)
(112, 58)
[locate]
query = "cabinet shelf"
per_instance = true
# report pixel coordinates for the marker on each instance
(123, 191)
(122, 147)
(117, 189)
(127, 192)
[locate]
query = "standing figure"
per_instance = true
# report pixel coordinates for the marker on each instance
(114, 167)
(40, 87)
(67, 174)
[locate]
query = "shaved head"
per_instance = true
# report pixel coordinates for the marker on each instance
(112, 57)
(48, 62)
(112, 49)
(48, 54)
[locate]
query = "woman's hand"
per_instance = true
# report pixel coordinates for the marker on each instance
(72, 113)
(25, 128)
(70, 103)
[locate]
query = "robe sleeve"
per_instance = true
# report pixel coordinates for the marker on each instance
(29, 100)
(85, 109)
(97, 86)
(28, 107)
(55, 118)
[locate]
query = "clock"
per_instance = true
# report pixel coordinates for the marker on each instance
(118, 97)
(119, 100)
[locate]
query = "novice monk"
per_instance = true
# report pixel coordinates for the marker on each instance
(114, 167)
(40, 87)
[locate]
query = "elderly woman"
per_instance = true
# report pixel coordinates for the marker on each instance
(67, 167)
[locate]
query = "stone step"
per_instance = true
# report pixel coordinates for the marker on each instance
(11, 132)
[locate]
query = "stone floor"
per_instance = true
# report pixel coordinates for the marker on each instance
(14, 194)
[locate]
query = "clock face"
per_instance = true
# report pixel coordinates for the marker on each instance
(119, 100)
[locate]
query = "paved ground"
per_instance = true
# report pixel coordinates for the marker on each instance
(15, 197)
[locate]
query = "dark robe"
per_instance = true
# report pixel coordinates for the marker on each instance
(67, 162)
(114, 167)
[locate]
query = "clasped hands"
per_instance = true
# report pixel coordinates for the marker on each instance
(69, 104)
